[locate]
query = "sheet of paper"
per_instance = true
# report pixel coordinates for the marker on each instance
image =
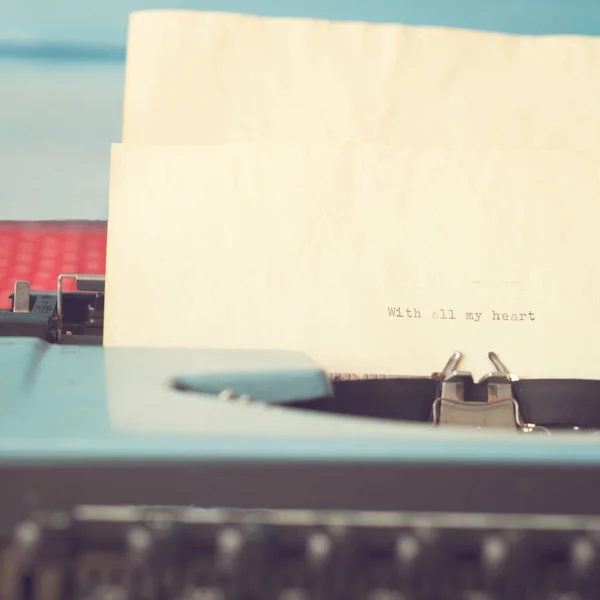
(371, 259)
(204, 78)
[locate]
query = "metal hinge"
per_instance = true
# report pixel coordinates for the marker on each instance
(501, 410)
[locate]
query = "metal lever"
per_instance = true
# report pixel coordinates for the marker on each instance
(449, 367)
(500, 411)
(499, 385)
(21, 297)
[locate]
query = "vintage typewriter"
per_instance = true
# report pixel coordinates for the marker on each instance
(214, 475)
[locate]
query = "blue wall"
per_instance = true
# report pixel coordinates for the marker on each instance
(105, 21)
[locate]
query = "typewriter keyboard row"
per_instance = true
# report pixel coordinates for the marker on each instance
(121, 553)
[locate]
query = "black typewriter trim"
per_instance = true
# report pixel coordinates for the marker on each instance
(559, 489)
(551, 403)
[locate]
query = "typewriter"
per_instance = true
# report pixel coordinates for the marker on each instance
(158, 474)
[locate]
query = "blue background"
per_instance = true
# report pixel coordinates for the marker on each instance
(61, 79)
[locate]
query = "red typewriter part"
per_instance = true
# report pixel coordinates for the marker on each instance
(40, 252)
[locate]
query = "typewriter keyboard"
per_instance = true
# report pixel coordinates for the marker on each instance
(120, 553)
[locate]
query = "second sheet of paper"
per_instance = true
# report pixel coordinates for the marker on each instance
(208, 78)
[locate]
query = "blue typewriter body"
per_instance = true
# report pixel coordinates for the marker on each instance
(87, 424)
(183, 474)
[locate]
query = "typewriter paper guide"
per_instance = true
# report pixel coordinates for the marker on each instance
(204, 78)
(371, 259)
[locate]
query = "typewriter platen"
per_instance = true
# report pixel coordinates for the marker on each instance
(343, 486)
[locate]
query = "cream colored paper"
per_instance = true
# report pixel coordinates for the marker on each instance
(315, 247)
(204, 78)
